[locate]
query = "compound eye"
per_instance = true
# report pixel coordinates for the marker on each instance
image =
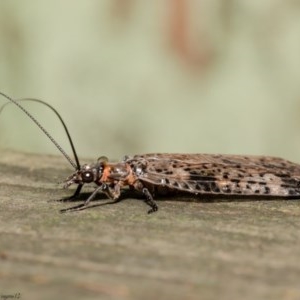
(87, 176)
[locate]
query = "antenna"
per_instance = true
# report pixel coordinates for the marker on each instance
(74, 165)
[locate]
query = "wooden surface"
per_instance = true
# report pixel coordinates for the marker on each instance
(187, 250)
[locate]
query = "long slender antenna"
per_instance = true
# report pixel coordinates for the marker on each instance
(60, 118)
(74, 165)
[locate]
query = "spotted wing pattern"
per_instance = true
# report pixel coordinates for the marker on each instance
(219, 174)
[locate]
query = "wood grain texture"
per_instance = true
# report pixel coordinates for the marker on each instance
(187, 250)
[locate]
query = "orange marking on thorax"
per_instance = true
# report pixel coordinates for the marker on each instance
(131, 179)
(126, 180)
(105, 174)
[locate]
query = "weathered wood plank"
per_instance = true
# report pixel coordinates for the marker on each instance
(187, 250)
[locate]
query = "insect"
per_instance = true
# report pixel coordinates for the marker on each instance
(195, 174)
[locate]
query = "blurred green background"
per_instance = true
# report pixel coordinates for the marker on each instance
(132, 76)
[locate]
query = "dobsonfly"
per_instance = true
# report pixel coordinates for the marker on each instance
(195, 174)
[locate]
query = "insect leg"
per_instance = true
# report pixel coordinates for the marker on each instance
(85, 204)
(77, 192)
(94, 193)
(75, 195)
(112, 193)
(149, 200)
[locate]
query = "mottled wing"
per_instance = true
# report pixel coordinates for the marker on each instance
(219, 174)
